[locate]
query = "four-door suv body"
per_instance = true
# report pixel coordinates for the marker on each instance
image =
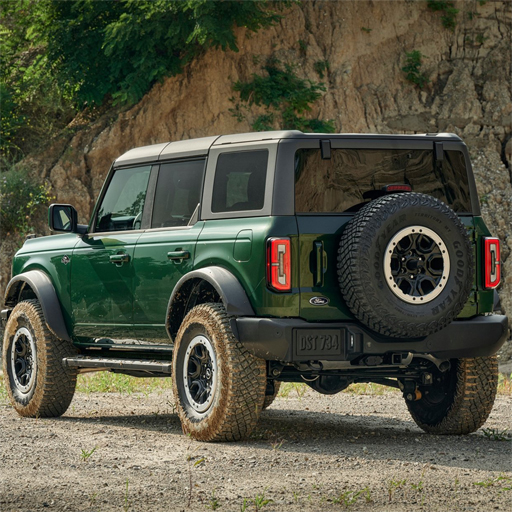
(237, 262)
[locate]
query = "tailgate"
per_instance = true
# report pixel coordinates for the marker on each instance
(319, 237)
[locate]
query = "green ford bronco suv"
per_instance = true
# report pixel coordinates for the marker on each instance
(238, 262)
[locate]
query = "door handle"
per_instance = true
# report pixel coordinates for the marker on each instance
(178, 255)
(318, 270)
(119, 259)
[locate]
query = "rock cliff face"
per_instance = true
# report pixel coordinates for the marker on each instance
(365, 45)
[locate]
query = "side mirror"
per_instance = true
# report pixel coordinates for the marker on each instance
(64, 218)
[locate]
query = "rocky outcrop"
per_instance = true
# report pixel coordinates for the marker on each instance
(365, 45)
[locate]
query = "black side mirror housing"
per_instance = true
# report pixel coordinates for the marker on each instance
(64, 218)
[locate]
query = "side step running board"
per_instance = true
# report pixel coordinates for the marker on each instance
(106, 363)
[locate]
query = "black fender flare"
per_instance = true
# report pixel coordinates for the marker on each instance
(228, 287)
(45, 292)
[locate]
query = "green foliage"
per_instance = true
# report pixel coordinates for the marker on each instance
(412, 69)
(21, 195)
(349, 498)
(495, 434)
(504, 483)
(286, 98)
(259, 502)
(86, 454)
(303, 46)
(58, 56)
(32, 108)
(120, 49)
(366, 29)
(449, 11)
(480, 39)
(321, 67)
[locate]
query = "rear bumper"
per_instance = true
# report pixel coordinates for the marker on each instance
(295, 340)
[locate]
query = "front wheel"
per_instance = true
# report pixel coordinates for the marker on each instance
(219, 386)
(460, 400)
(37, 382)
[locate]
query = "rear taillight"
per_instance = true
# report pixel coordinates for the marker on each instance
(492, 263)
(279, 269)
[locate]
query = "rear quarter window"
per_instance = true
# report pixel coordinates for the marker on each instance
(240, 179)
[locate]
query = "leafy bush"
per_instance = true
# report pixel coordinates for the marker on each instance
(20, 196)
(32, 107)
(412, 69)
(286, 98)
(61, 56)
(120, 49)
(321, 67)
(450, 12)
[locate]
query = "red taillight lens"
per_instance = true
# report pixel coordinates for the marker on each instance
(279, 270)
(492, 262)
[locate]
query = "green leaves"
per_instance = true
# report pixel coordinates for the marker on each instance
(412, 69)
(59, 56)
(120, 49)
(286, 98)
(21, 195)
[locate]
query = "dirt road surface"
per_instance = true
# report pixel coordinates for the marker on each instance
(309, 453)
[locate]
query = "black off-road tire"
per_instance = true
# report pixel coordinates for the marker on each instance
(269, 399)
(232, 408)
(50, 391)
(370, 236)
(460, 401)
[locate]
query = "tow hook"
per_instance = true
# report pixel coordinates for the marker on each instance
(410, 390)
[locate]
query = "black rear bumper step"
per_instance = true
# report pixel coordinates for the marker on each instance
(118, 364)
(295, 340)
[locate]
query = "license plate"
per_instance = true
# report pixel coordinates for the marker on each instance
(310, 343)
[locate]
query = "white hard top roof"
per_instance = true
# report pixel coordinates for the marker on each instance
(200, 147)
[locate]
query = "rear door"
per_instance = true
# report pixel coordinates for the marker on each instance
(166, 251)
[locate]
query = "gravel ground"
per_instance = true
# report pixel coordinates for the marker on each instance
(309, 453)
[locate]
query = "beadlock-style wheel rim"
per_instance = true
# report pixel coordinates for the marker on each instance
(200, 374)
(23, 361)
(416, 265)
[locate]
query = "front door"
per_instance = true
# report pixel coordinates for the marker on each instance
(102, 262)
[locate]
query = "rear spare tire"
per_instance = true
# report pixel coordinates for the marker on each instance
(405, 265)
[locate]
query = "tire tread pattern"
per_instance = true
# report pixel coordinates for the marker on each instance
(353, 275)
(55, 385)
(243, 381)
(475, 392)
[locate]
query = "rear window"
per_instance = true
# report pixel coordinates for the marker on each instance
(344, 182)
(240, 180)
(178, 190)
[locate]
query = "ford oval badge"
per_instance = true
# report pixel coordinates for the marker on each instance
(319, 301)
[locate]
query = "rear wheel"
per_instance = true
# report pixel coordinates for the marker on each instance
(219, 385)
(37, 382)
(460, 400)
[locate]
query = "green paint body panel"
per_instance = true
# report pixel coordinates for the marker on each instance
(129, 300)
(219, 242)
(45, 254)
(102, 291)
(155, 276)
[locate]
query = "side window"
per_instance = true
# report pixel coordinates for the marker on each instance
(123, 203)
(240, 181)
(178, 191)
